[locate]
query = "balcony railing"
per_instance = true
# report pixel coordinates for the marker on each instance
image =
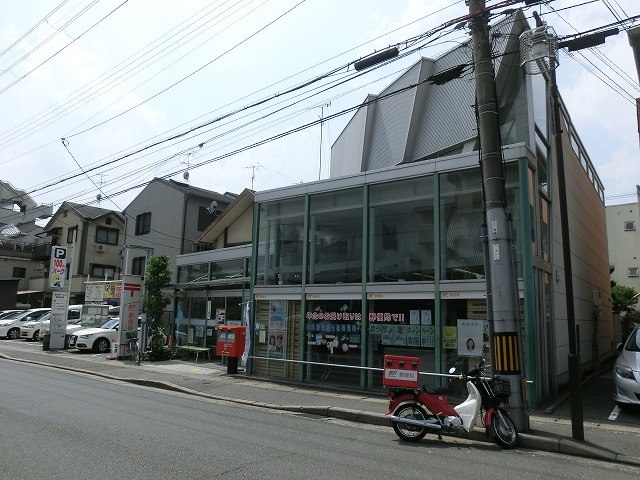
(41, 252)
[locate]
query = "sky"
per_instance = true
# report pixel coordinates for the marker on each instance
(100, 96)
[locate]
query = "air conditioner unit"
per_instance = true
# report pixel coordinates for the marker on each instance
(100, 248)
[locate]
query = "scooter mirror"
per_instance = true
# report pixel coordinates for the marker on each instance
(452, 370)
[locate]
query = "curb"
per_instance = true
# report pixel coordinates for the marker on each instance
(531, 441)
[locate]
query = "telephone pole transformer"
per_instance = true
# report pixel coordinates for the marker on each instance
(501, 278)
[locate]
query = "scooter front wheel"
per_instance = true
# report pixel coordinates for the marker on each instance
(406, 431)
(505, 431)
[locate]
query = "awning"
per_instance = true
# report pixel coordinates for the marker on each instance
(27, 292)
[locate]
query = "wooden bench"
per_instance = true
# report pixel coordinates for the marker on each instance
(197, 350)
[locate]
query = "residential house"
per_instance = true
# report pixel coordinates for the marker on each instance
(18, 228)
(213, 284)
(166, 218)
(94, 238)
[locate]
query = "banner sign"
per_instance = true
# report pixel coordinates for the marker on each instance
(100, 291)
(130, 306)
(58, 266)
(58, 322)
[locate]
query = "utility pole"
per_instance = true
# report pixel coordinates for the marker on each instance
(502, 285)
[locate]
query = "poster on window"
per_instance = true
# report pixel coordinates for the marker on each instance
(449, 338)
(470, 334)
(275, 348)
(428, 336)
(277, 314)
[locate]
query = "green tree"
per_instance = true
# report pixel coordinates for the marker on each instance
(623, 298)
(156, 277)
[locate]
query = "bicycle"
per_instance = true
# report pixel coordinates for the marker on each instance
(134, 347)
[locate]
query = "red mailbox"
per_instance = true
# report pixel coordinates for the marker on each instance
(401, 372)
(230, 341)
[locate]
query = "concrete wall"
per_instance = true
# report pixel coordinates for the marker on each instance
(624, 246)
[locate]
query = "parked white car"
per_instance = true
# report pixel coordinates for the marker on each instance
(10, 326)
(32, 330)
(6, 313)
(97, 339)
(626, 372)
(35, 329)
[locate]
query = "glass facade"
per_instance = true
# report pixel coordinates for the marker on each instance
(391, 237)
(335, 237)
(401, 232)
(281, 234)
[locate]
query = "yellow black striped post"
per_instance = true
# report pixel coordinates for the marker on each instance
(506, 353)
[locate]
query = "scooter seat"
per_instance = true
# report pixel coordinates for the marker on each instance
(442, 389)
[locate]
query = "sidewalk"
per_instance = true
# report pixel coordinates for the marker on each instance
(549, 432)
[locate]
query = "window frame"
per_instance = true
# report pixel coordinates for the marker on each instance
(143, 223)
(633, 272)
(138, 265)
(629, 226)
(107, 231)
(17, 271)
(95, 266)
(72, 233)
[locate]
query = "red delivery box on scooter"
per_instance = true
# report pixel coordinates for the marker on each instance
(400, 371)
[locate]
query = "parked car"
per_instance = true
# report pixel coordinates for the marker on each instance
(34, 330)
(6, 313)
(31, 330)
(97, 339)
(10, 326)
(626, 371)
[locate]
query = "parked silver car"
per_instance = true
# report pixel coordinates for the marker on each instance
(626, 371)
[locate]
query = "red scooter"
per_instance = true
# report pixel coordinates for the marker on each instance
(416, 411)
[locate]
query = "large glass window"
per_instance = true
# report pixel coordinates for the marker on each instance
(228, 269)
(540, 96)
(465, 330)
(401, 231)
(198, 272)
(401, 327)
(514, 124)
(280, 242)
(334, 336)
(462, 220)
(192, 327)
(335, 237)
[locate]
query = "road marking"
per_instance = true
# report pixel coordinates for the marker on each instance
(614, 413)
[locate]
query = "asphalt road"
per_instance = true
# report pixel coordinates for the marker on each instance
(57, 425)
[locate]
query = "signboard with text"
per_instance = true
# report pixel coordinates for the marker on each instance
(130, 307)
(58, 266)
(58, 320)
(100, 291)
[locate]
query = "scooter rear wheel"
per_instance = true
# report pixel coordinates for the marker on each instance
(407, 432)
(505, 431)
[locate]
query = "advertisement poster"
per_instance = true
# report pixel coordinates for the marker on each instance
(275, 348)
(277, 328)
(449, 338)
(470, 337)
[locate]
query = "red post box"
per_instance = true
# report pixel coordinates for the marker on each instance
(230, 343)
(401, 372)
